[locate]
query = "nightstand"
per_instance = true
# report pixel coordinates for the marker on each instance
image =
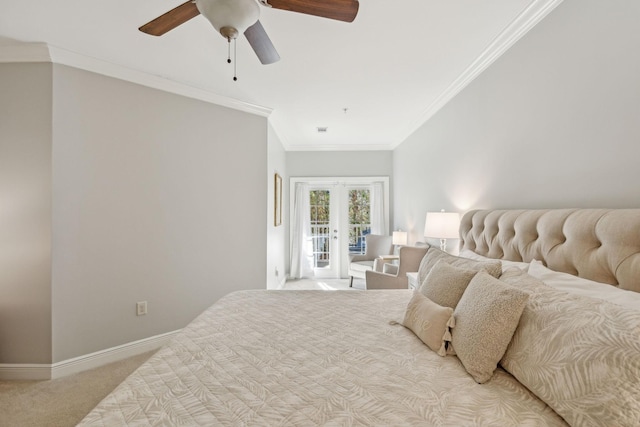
(413, 280)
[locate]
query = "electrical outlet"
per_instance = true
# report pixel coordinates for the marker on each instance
(141, 308)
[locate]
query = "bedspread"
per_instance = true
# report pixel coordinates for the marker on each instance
(303, 358)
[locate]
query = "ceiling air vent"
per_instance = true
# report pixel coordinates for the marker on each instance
(322, 129)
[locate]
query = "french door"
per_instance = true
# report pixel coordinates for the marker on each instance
(339, 216)
(324, 210)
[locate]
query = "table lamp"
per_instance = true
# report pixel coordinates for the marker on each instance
(442, 225)
(399, 238)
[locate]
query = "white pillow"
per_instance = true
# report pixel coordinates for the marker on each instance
(579, 355)
(577, 285)
(467, 253)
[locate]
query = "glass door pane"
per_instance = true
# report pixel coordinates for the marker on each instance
(359, 208)
(320, 208)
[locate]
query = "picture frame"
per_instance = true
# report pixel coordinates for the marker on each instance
(277, 200)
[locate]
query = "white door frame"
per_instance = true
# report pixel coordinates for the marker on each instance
(343, 224)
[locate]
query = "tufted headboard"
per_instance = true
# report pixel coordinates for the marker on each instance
(597, 244)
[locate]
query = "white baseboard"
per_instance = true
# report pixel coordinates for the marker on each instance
(14, 371)
(24, 371)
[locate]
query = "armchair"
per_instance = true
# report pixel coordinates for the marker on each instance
(376, 245)
(396, 278)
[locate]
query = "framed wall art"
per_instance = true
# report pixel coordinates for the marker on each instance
(277, 200)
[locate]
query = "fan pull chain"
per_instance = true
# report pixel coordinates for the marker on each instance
(235, 54)
(235, 63)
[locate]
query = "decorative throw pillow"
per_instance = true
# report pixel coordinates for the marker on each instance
(445, 284)
(430, 322)
(486, 317)
(579, 355)
(433, 255)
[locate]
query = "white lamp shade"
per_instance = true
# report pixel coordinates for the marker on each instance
(239, 14)
(399, 237)
(442, 225)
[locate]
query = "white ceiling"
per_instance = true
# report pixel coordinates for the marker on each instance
(393, 67)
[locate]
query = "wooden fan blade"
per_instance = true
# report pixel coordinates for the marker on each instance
(341, 10)
(261, 44)
(170, 20)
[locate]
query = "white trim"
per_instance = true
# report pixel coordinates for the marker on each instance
(25, 371)
(339, 147)
(524, 22)
(42, 52)
(25, 52)
(10, 371)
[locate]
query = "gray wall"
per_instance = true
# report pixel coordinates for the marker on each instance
(25, 213)
(553, 123)
(151, 196)
(340, 163)
(154, 198)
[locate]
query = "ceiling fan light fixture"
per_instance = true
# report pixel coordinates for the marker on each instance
(234, 17)
(229, 33)
(235, 14)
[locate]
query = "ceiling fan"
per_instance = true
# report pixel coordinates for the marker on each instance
(232, 17)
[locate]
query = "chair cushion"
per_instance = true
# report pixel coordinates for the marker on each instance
(361, 266)
(390, 269)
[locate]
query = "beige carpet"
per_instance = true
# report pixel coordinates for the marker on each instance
(62, 402)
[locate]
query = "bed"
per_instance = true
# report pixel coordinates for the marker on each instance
(570, 357)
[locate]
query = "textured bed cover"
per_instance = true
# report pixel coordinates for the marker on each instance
(306, 358)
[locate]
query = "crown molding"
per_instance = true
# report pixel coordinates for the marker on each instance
(43, 52)
(24, 52)
(525, 21)
(339, 147)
